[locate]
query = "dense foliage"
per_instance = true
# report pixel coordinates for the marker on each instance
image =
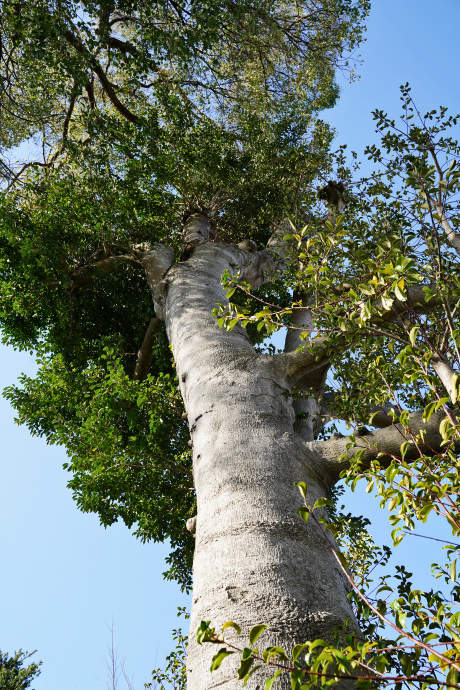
(137, 113)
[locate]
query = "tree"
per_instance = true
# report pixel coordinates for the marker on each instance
(382, 282)
(13, 674)
(191, 130)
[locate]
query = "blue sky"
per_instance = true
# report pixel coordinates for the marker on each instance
(63, 577)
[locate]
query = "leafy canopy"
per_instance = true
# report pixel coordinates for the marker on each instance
(139, 113)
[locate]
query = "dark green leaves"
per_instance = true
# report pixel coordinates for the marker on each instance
(218, 658)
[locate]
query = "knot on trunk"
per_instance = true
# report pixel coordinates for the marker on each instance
(334, 195)
(191, 524)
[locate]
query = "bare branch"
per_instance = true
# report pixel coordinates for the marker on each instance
(86, 274)
(314, 356)
(99, 71)
(446, 374)
(155, 262)
(144, 356)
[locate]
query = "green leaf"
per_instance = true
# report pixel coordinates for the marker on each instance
(455, 387)
(413, 334)
(297, 678)
(270, 681)
(399, 290)
(273, 652)
(253, 670)
(304, 513)
(244, 667)
(342, 559)
(387, 302)
(297, 650)
(256, 632)
(403, 448)
(453, 570)
(452, 677)
(302, 488)
(323, 502)
(428, 411)
(218, 658)
(204, 632)
(231, 624)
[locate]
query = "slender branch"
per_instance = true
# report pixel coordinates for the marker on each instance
(145, 354)
(419, 643)
(103, 79)
(85, 274)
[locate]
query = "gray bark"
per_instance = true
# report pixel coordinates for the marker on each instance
(452, 236)
(386, 443)
(446, 374)
(307, 406)
(255, 560)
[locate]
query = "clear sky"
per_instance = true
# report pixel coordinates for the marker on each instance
(63, 578)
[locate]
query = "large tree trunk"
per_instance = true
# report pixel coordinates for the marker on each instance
(256, 561)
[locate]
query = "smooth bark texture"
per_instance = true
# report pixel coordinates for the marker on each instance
(386, 442)
(255, 560)
(446, 373)
(307, 405)
(452, 236)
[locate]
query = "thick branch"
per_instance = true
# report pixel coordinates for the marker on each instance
(110, 263)
(307, 408)
(197, 229)
(381, 417)
(295, 365)
(155, 262)
(386, 442)
(144, 356)
(259, 267)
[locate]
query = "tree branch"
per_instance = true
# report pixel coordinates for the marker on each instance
(295, 365)
(386, 442)
(155, 262)
(85, 274)
(446, 373)
(314, 355)
(452, 236)
(381, 417)
(144, 356)
(103, 79)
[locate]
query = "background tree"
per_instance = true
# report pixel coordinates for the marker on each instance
(13, 674)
